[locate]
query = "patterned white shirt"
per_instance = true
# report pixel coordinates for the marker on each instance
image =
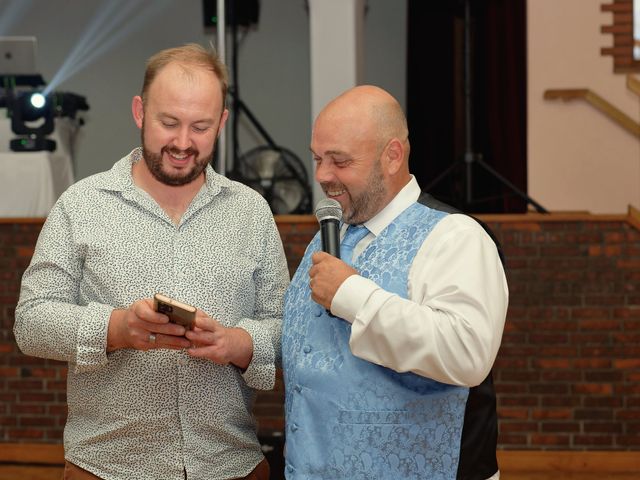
(160, 414)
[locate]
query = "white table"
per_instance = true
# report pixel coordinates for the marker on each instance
(31, 182)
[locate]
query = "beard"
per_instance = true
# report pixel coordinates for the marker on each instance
(154, 164)
(365, 205)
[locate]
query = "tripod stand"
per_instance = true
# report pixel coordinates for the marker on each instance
(472, 158)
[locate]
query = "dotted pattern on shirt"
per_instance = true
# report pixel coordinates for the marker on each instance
(151, 415)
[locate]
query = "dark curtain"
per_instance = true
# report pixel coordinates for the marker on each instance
(440, 89)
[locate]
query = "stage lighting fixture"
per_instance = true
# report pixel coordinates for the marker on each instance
(32, 120)
(32, 113)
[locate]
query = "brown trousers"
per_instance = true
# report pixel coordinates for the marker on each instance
(73, 472)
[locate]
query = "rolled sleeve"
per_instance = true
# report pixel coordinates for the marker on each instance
(261, 372)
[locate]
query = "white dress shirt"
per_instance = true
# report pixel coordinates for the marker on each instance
(450, 327)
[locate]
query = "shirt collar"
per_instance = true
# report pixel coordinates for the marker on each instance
(403, 200)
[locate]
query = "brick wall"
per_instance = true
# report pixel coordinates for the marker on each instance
(567, 374)
(568, 371)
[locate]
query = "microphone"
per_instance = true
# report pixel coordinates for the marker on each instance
(329, 215)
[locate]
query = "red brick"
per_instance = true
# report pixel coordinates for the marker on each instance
(633, 427)
(516, 413)
(549, 389)
(555, 414)
(516, 401)
(513, 440)
(628, 263)
(549, 440)
(8, 421)
(592, 388)
(593, 440)
(561, 376)
(515, 427)
(627, 363)
(24, 252)
(599, 402)
(26, 385)
(626, 441)
(548, 338)
(28, 409)
(604, 376)
(40, 372)
(592, 414)
(506, 376)
(590, 312)
(552, 363)
(511, 388)
(41, 422)
(557, 427)
(26, 433)
(587, 363)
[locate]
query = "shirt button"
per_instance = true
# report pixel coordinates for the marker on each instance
(318, 311)
(297, 388)
(294, 427)
(182, 362)
(289, 468)
(306, 349)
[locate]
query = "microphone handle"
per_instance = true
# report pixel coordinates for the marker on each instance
(330, 236)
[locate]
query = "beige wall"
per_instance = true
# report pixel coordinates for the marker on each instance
(578, 159)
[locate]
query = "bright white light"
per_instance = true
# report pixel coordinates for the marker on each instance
(38, 100)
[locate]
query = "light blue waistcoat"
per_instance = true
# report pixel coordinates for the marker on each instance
(347, 418)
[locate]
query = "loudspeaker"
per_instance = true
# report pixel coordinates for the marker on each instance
(241, 12)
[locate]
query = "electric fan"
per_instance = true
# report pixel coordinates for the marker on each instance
(278, 175)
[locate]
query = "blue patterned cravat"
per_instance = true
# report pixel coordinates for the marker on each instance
(353, 235)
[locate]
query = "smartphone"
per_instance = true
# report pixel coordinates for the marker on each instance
(178, 312)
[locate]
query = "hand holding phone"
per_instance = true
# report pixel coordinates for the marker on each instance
(178, 312)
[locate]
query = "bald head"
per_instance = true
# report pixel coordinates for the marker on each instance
(371, 111)
(361, 148)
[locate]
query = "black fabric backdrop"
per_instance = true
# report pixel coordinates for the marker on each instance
(436, 100)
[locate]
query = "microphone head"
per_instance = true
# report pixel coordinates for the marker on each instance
(328, 209)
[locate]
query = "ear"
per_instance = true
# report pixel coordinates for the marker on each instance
(137, 108)
(394, 156)
(223, 120)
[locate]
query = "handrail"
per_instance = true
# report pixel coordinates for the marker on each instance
(599, 103)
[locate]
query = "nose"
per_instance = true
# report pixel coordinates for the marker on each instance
(182, 140)
(324, 171)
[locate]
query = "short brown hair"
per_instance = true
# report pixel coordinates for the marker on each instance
(190, 54)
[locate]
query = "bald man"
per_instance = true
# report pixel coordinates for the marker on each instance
(387, 356)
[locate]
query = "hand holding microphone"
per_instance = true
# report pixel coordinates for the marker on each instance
(328, 271)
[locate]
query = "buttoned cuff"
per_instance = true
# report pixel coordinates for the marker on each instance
(91, 340)
(351, 297)
(261, 372)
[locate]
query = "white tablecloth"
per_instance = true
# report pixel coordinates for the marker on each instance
(31, 182)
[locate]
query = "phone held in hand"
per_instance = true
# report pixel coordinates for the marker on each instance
(178, 312)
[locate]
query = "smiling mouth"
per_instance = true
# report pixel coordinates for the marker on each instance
(333, 190)
(179, 157)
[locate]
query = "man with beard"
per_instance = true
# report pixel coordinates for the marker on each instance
(387, 353)
(147, 399)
